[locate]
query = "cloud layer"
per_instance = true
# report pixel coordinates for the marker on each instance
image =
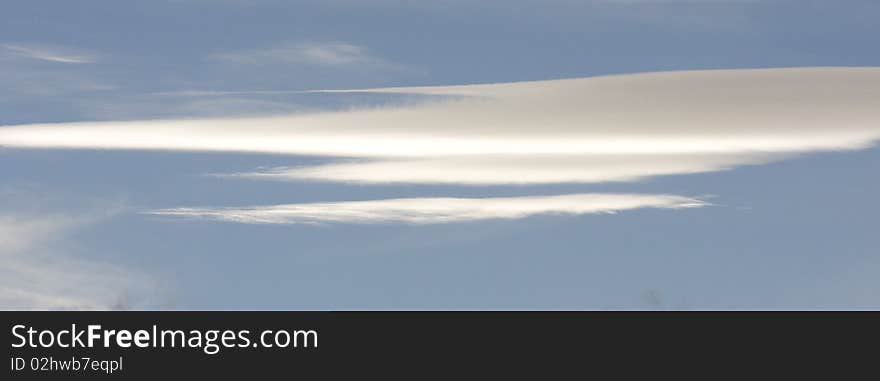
(435, 210)
(613, 128)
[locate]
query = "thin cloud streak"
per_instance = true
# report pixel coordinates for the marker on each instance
(612, 128)
(47, 53)
(434, 210)
(336, 54)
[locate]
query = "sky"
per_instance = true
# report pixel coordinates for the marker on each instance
(382, 154)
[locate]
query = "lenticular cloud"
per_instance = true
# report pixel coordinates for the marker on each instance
(613, 128)
(587, 130)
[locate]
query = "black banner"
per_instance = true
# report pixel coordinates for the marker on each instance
(91, 345)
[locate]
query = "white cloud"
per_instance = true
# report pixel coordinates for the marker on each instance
(613, 128)
(51, 53)
(435, 210)
(328, 54)
(539, 169)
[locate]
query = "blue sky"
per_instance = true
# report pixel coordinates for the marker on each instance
(788, 222)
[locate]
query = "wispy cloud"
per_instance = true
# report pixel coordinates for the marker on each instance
(20, 233)
(51, 53)
(435, 210)
(614, 128)
(328, 54)
(31, 72)
(39, 268)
